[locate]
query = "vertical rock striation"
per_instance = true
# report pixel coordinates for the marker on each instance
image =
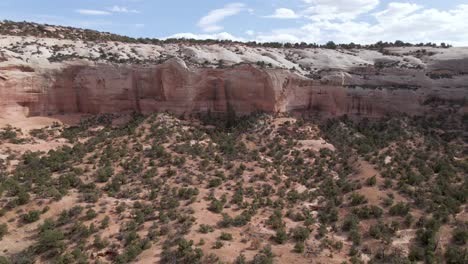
(32, 90)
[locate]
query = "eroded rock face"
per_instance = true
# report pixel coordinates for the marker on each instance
(367, 90)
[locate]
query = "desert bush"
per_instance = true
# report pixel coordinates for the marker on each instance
(100, 243)
(400, 209)
(456, 255)
(460, 236)
(105, 222)
(216, 206)
(350, 222)
(381, 231)
(367, 212)
(300, 234)
(185, 254)
(103, 174)
(371, 181)
(205, 229)
(355, 236)
(241, 259)
(214, 183)
(299, 247)
(132, 251)
(4, 260)
(90, 214)
(50, 241)
(265, 256)
(218, 244)
(31, 216)
(8, 133)
(3, 230)
(225, 236)
(276, 220)
(188, 193)
(357, 199)
(281, 236)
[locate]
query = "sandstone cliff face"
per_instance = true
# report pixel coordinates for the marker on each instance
(364, 83)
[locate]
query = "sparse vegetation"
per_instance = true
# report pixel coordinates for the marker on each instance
(162, 183)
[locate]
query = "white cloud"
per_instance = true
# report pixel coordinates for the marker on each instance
(92, 12)
(122, 9)
(109, 11)
(209, 23)
(398, 21)
(218, 36)
(250, 32)
(305, 33)
(396, 11)
(338, 9)
(345, 21)
(284, 13)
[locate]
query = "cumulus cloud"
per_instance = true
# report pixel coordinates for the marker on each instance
(122, 9)
(306, 33)
(397, 21)
(338, 9)
(345, 21)
(217, 36)
(284, 13)
(209, 23)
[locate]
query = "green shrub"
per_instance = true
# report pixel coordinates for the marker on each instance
(185, 253)
(105, 222)
(31, 216)
(22, 198)
(103, 174)
(276, 220)
(132, 251)
(205, 229)
(3, 230)
(51, 241)
(460, 236)
(4, 260)
(299, 247)
(367, 212)
(456, 255)
(350, 222)
(355, 236)
(300, 234)
(214, 182)
(225, 236)
(241, 259)
(400, 209)
(216, 206)
(281, 236)
(265, 256)
(371, 181)
(8, 133)
(100, 243)
(90, 214)
(357, 199)
(218, 244)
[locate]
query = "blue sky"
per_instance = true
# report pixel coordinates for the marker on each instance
(360, 21)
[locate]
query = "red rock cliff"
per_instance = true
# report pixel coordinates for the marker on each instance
(33, 89)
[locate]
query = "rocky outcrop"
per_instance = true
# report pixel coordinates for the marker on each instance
(33, 89)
